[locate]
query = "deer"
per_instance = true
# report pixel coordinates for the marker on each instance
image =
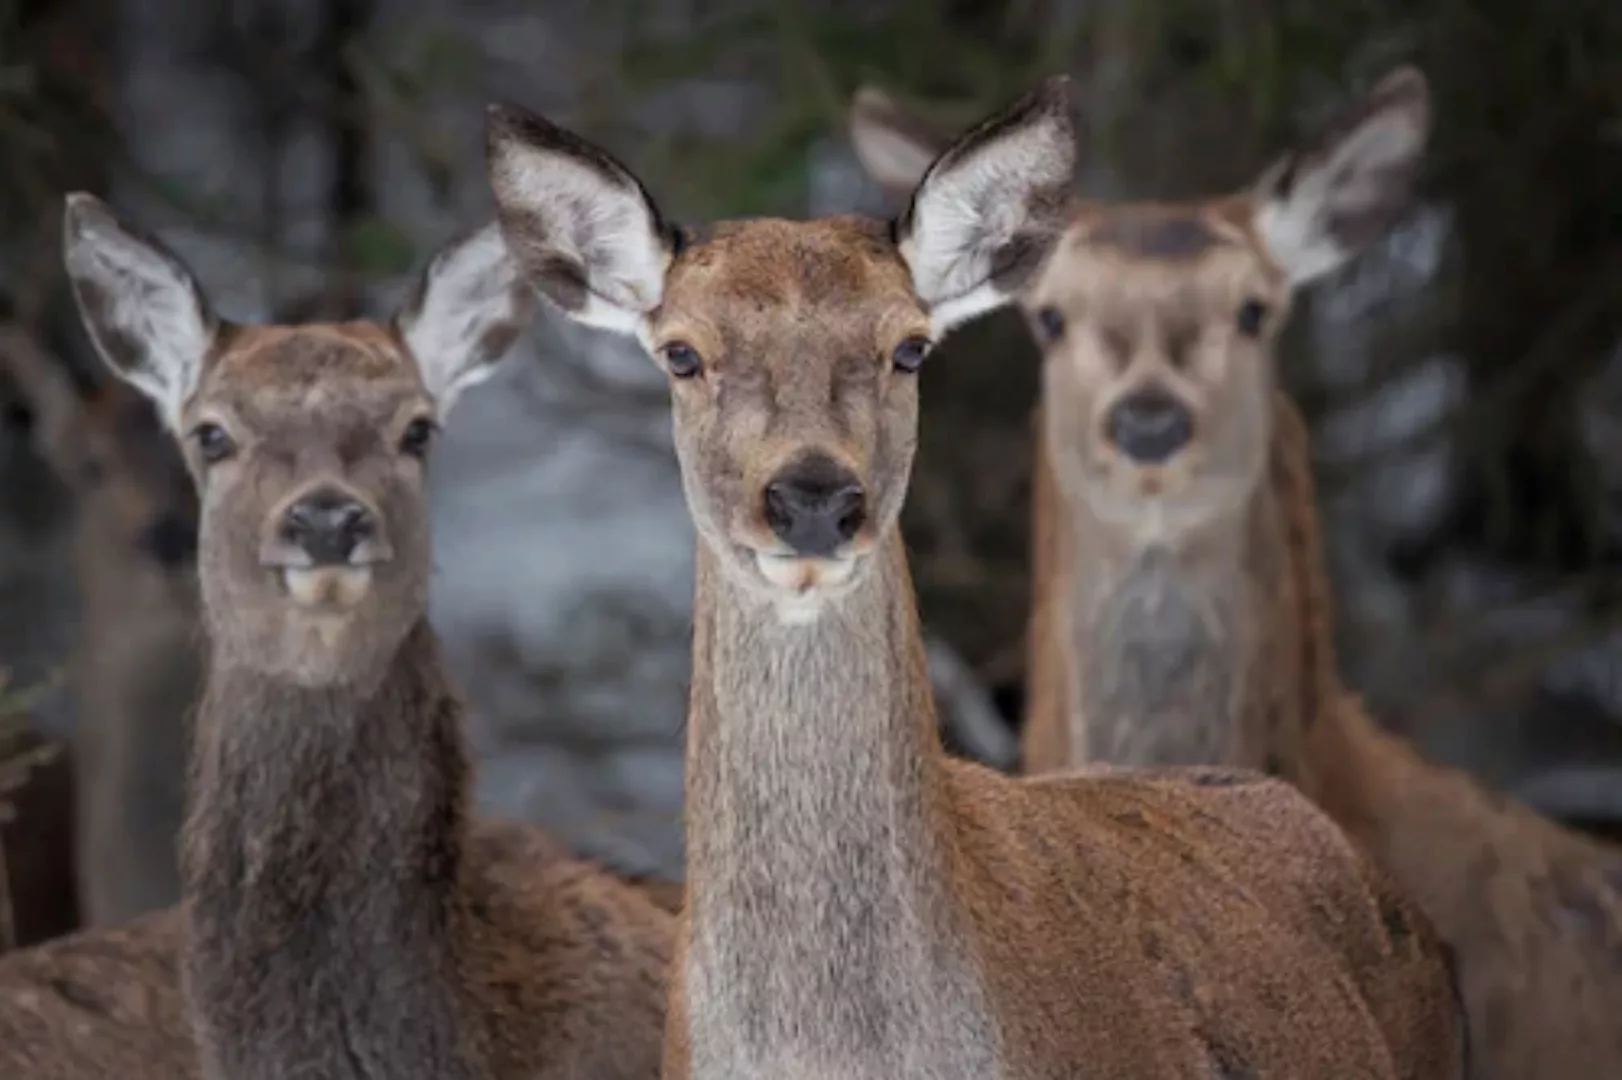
(137, 659)
(1181, 612)
(858, 903)
(137, 663)
(342, 915)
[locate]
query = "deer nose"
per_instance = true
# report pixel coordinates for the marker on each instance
(1150, 426)
(328, 526)
(815, 506)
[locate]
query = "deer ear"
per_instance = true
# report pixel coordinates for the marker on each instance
(467, 309)
(583, 229)
(989, 209)
(145, 313)
(1328, 200)
(894, 147)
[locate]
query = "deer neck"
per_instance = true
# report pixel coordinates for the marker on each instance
(1184, 650)
(818, 832)
(322, 862)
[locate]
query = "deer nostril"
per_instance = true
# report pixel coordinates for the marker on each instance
(328, 526)
(854, 517)
(815, 507)
(779, 511)
(1150, 426)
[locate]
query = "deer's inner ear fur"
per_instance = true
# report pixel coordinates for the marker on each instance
(583, 229)
(467, 309)
(989, 209)
(144, 312)
(1320, 205)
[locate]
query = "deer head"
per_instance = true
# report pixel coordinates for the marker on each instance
(307, 444)
(1158, 321)
(792, 348)
(132, 494)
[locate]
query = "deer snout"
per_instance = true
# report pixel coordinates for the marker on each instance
(816, 506)
(328, 526)
(1149, 426)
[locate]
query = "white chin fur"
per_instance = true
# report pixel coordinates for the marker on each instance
(804, 584)
(327, 586)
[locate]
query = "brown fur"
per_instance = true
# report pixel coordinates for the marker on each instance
(1532, 912)
(1216, 904)
(1205, 577)
(571, 953)
(858, 904)
(136, 666)
(666, 894)
(341, 915)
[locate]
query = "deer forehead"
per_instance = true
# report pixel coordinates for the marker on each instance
(1156, 263)
(837, 281)
(342, 371)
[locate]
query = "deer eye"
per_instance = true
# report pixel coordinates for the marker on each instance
(1050, 322)
(682, 360)
(213, 443)
(1252, 313)
(909, 355)
(416, 437)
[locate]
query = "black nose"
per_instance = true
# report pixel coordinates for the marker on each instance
(171, 540)
(328, 525)
(815, 506)
(1150, 426)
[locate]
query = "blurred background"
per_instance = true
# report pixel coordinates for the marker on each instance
(1464, 380)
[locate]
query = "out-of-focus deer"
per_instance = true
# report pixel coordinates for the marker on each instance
(136, 665)
(1181, 613)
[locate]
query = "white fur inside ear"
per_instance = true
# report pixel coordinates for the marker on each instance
(469, 306)
(563, 209)
(945, 317)
(965, 213)
(144, 312)
(1353, 178)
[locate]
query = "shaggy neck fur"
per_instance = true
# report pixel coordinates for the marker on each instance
(322, 859)
(1191, 651)
(821, 936)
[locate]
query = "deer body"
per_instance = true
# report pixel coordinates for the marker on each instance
(1153, 654)
(841, 816)
(135, 696)
(137, 660)
(1531, 911)
(857, 903)
(970, 909)
(341, 915)
(429, 949)
(1181, 613)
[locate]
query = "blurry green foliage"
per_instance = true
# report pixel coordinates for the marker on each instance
(378, 248)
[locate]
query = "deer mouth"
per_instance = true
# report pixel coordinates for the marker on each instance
(801, 584)
(327, 588)
(802, 574)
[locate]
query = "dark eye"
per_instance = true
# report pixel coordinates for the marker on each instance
(417, 435)
(1251, 315)
(909, 355)
(213, 443)
(1050, 323)
(682, 360)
